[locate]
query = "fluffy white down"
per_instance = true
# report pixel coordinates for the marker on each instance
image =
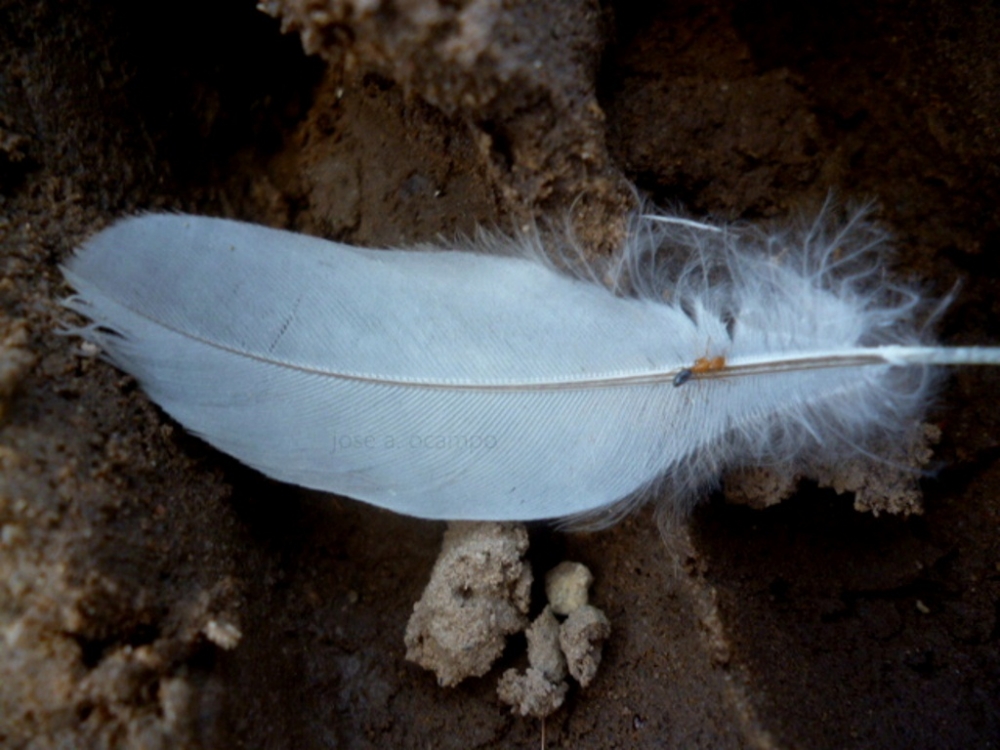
(817, 286)
(475, 385)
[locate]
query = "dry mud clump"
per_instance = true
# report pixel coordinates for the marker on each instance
(520, 76)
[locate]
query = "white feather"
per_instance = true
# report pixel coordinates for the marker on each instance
(467, 385)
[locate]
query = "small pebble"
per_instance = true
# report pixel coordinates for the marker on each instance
(582, 638)
(225, 635)
(566, 587)
(544, 652)
(531, 694)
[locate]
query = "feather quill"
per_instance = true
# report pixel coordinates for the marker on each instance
(495, 386)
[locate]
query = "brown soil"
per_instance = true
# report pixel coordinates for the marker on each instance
(128, 546)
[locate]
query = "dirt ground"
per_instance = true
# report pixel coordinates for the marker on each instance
(154, 593)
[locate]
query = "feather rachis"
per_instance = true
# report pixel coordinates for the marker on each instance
(493, 385)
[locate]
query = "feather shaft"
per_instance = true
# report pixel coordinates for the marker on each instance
(897, 356)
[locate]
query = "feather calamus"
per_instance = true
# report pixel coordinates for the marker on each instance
(493, 385)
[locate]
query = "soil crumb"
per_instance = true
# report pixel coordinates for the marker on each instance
(886, 481)
(479, 593)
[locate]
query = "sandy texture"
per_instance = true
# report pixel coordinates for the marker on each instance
(519, 77)
(556, 649)
(531, 693)
(155, 594)
(544, 652)
(567, 586)
(887, 484)
(582, 638)
(15, 358)
(479, 593)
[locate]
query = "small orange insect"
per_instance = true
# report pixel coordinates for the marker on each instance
(702, 364)
(708, 364)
